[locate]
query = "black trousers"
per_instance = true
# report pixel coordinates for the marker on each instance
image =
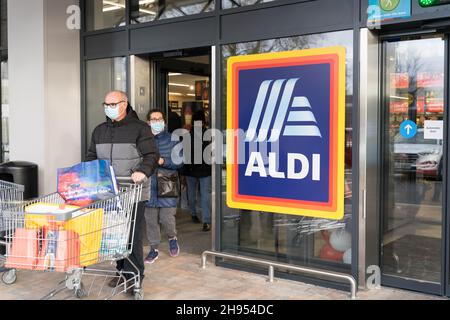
(137, 254)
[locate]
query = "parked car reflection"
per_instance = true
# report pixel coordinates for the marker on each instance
(419, 155)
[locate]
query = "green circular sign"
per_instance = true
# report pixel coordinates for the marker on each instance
(389, 5)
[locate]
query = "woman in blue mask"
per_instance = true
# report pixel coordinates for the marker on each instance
(161, 211)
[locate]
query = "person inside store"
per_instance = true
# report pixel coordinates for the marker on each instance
(174, 121)
(129, 145)
(161, 209)
(199, 174)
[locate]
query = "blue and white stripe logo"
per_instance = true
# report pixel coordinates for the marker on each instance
(300, 122)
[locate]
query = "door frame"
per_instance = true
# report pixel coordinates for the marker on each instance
(446, 186)
(443, 288)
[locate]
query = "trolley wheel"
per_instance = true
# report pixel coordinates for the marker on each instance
(80, 293)
(138, 295)
(9, 277)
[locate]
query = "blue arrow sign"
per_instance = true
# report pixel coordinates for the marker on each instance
(408, 129)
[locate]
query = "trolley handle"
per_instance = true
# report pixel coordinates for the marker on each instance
(124, 181)
(129, 180)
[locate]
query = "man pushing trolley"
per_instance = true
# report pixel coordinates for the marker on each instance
(50, 234)
(129, 145)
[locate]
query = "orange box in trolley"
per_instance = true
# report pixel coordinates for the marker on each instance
(60, 251)
(24, 250)
(55, 250)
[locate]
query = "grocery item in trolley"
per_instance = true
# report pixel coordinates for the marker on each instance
(87, 182)
(114, 237)
(60, 251)
(24, 250)
(87, 223)
(46, 234)
(77, 240)
(53, 250)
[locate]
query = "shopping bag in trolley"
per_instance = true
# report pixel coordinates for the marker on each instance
(87, 182)
(115, 234)
(87, 223)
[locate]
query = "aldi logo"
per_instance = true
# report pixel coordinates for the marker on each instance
(285, 143)
(301, 115)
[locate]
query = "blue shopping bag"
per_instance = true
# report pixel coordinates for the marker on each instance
(87, 182)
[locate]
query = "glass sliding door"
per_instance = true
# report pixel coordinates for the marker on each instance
(413, 160)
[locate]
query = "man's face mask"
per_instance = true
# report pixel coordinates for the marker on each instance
(111, 113)
(112, 110)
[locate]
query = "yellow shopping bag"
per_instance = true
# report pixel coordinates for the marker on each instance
(86, 223)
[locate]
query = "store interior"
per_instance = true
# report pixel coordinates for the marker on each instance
(178, 83)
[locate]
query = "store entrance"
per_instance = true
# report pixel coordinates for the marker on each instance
(414, 164)
(178, 84)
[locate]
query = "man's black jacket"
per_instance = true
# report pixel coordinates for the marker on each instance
(127, 144)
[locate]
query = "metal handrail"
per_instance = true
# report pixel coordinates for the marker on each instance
(272, 265)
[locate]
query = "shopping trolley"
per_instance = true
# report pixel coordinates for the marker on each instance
(11, 194)
(48, 235)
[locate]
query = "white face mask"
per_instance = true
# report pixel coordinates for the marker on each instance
(112, 113)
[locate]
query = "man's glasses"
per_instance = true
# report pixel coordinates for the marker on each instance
(112, 105)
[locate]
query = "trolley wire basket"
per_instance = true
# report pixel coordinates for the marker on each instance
(48, 235)
(11, 194)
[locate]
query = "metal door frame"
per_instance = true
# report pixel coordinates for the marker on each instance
(445, 194)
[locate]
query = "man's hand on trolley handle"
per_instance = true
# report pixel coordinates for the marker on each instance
(138, 177)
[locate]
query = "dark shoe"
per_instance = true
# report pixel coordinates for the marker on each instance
(206, 227)
(174, 248)
(152, 256)
(195, 219)
(115, 282)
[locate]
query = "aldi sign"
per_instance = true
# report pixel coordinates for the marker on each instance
(286, 132)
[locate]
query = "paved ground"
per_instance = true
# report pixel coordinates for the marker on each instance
(181, 278)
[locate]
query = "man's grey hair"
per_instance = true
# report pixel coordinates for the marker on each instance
(123, 95)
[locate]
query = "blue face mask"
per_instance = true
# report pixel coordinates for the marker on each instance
(157, 127)
(112, 113)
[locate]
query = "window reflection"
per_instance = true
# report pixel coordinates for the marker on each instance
(102, 14)
(3, 24)
(4, 81)
(149, 10)
(227, 4)
(102, 76)
(5, 109)
(287, 238)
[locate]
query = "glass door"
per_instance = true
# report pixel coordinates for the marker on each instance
(413, 130)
